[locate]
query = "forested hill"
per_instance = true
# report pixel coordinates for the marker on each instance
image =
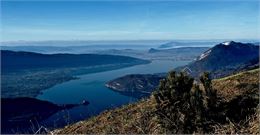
(12, 61)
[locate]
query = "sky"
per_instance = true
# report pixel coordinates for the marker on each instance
(129, 20)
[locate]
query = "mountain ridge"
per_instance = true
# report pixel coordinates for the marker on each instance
(222, 56)
(12, 60)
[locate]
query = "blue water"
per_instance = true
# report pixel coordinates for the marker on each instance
(91, 87)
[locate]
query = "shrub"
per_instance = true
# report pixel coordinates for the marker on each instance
(173, 103)
(181, 105)
(211, 94)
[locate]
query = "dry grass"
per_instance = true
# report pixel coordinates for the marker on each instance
(230, 87)
(249, 126)
(140, 117)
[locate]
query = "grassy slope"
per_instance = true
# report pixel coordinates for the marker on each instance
(140, 117)
(238, 84)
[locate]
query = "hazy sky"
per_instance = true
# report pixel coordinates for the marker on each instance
(132, 20)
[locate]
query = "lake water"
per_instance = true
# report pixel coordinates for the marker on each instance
(91, 87)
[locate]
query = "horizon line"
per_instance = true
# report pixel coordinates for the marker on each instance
(118, 40)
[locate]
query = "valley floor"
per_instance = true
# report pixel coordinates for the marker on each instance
(140, 117)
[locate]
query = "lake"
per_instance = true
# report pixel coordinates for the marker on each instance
(91, 87)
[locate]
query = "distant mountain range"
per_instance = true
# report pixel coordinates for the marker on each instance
(137, 51)
(221, 60)
(181, 50)
(13, 61)
(44, 48)
(176, 44)
(183, 53)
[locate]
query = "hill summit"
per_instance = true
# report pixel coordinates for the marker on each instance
(225, 58)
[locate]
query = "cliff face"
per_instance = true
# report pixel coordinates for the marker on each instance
(140, 117)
